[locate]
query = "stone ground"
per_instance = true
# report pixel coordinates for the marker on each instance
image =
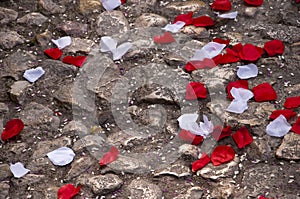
(155, 165)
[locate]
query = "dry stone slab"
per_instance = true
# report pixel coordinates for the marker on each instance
(18, 91)
(289, 148)
(73, 28)
(88, 6)
(4, 171)
(4, 187)
(80, 45)
(104, 184)
(80, 166)
(51, 7)
(33, 18)
(7, 15)
(9, 39)
(186, 6)
(112, 22)
(143, 189)
(150, 20)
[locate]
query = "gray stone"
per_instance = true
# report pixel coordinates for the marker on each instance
(189, 150)
(103, 184)
(128, 164)
(44, 38)
(33, 18)
(9, 39)
(150, 20)
(7, 15)
(89, 141)
(4, 171)
(79, 166)
(177, 169)
(88, 6)
(73, 28)
(4, 187)
(222, 171)
(223, 190)
(18, 91)
(64, 94)
(289, 147)
(186, 6)
(143, 189)
(198, 32)
(123, 139)
(195, 193)
(50, 7)
(112, 22)
(29, 179)
(16, 63)
(76, 127)
(3, 108)
(80, 45)
(250, 11)
(39, 165)
(149, 3)
(160, 95)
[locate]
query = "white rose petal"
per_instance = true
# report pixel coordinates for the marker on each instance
(209, 51)
(62, 42)
(111, 4)
(61, 156)
(278, 127)
(33, 74)
(174, 28)
(230, 15)
(247, 71)
(18, 170)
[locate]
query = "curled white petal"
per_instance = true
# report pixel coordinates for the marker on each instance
(278, 127)
(61, 156)
(241, 94)
(107, 44)
(62, 42)
(206, 126)
(33, 74)
(175, 27)
(247, 71)
(189, 122)
(230, 15)
(111, 4)
(237, 106)
(121, 50)
(18, 170)
(209, 51)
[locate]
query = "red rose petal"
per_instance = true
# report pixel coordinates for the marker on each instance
(203, 21)
(296, 127)
(221, 41)
(190, 137)
(202, 162)
(262, 197)
(242, 137)
(222, 154)
(292, 102)
(68, 191)
(264, 92)
(109, 156)
(226, 58)
(54, 53)
(274, 47)
(74, 60)
(236, 49)
(236, 84)
(195, 90)
(254, 2)
(186, 18)
(204, 64)
(221, 5)
(288, 114)
(164, 39)
(12, 128)
(250, 52)
(220, 133)
(123, 1)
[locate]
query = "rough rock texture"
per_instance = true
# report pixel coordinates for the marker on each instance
(7, 15)
(289, 148)
(33, 18)
(110, 23)
(10, 39)
(144, 189)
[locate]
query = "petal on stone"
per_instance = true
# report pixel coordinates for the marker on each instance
(62, 42)
(18, 170)
(110, 4)
(230, 15)
(247, 71)
(209, 51)
(206, 127)
(61, 156)
(189, 122)
(121, 50)
(278, 127)
(241, 94)
(174, 27)
(33, 74)
(107, 44)
(237, 106)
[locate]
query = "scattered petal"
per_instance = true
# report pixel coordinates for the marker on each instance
(250, 52)
(209, 51)
(109, 156)
(241, 94)
(296, 126)
(33, 74)
(220, 133)
(18, 170)
(194, 65)
(242, 137)
(274, 47)
(61, 156)
(186, 18)
(237, 106)
(68, 191)
(12, 128)
(206, 127)
(292, 102)
(221, 41)
(189, 122)
(221, 5)
(222, 154)
(254, 2)
(226, 59)
(278, 127)
(164, 39)
(107, 44)
(54, 53)
(202, 162)
(121, 50)
(111, 4)
(236, 84)
(264, 92)
(62, 42)
(288, 114)
(74, 60)
(229, 15)
(195, 90)
(247, 71)
(190, 137)
(174, 28)
(203, 21)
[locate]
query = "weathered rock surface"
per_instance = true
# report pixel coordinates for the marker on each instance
(51, 7)
(80, 45)
(4, 187)
(112, 22)
(7, 15)
(33, 18)
(18, 91)
(10, 39)
(128, 165)
(88, 6)
(150, 20)
(144, 189)
(187, 6)
(73, 28)
(80, 166)
(103, 184)
(289, 148)
(4, 171)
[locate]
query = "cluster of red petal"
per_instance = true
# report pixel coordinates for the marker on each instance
(221, 5)
(250, 52)
(54, 53)
(222, 41)
(74, 60)
(202, 21)
(222, 154)
(186, 18)
(190, 137)
(195, 90)
(274, 47)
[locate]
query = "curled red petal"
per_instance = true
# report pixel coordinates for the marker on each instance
(254, 2)
(264, 92)
(74, 60)
(296, 127)
(221, 5)
(186, 18)
(12, 128)
(109, 156)
(219, 132)
(288, 114)
(292, 102)
(195, 90)
(203, 21)
(242, 137)
(68, 191)
(190, 137)
(236, 84)
(222, 41)
(274, 47)
(222, 154)
(54, 53)
(202, 162)
(164, 39)
(250, 52)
